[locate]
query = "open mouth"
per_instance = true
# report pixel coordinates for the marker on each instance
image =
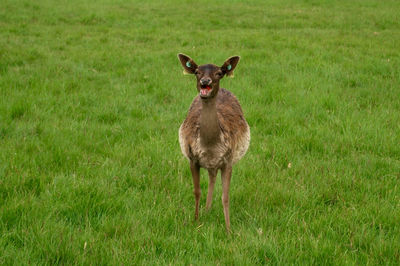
(205, 90)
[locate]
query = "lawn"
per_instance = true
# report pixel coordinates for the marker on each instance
(92, 96)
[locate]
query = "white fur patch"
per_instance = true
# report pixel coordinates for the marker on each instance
(182, 142)
(214, 157)
(242, 146)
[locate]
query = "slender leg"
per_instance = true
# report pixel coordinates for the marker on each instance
(212, 173)
(226, 173)
(195, 168)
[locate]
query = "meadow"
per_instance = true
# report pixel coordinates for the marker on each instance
(92, 95)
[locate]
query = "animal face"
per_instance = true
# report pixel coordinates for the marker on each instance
(209, 75)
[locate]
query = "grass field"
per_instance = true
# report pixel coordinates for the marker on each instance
(92, 96)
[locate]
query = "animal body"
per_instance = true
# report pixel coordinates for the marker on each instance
(215, 134)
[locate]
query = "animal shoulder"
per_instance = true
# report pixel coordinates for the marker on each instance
(227, 104)
(228, 108)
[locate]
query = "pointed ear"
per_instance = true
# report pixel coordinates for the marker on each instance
(229, 65)
(188, 64)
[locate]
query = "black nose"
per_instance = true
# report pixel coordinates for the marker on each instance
(205, 81)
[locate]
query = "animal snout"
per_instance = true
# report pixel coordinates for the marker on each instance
(205, 81)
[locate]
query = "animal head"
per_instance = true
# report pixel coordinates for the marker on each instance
(208, 75)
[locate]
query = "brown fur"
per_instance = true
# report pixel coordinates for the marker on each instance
(232, 125)
(215, 134)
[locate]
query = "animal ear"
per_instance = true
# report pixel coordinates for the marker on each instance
(229, 65)
(189, 66)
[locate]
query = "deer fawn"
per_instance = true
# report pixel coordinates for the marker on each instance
(215, 134)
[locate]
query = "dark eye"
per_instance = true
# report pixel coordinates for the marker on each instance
(219, 74)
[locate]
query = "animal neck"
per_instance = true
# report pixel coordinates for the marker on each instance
(209, 124)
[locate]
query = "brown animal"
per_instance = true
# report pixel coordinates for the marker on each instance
(215, 134)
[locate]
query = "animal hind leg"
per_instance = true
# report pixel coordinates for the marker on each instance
(226, 174)
(195, 169)
(212, 173)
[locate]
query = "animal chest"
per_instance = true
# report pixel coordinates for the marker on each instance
(210, 156)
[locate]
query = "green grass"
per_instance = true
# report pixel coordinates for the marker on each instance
(92, 96)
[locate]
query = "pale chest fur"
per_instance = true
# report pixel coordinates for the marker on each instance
(215, 148)
(217, 155)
